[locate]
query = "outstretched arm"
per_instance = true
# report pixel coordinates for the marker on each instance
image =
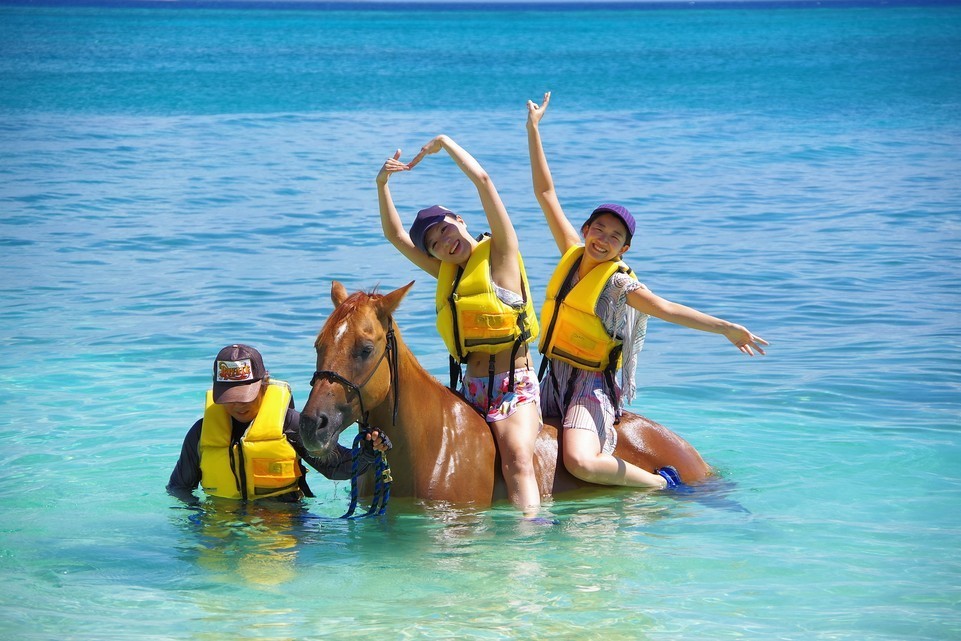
(390, 220)
(504, 243)
(648, 302)
(565, 235)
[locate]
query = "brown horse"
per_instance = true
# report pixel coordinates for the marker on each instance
(442, 448)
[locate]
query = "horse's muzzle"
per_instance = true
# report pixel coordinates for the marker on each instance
(319, 433)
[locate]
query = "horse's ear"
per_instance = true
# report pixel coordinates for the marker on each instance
(338, 293)
(389, 303)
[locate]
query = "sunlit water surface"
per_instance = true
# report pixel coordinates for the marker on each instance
(175, 180)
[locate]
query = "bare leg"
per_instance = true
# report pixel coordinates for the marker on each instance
(515, 439)
(583, 458)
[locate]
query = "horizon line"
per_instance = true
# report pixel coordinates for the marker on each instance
(532, 5)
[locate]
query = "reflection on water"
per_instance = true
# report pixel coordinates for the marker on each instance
(248, 542)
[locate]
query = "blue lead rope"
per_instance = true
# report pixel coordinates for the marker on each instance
(378, 504)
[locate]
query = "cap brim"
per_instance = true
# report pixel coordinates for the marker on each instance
(418, 231)
(422, 241)
(236, 393)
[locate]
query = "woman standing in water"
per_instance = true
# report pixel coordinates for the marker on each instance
(484, 311)
(594, 321)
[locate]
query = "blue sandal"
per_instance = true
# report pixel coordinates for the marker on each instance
(670, 475)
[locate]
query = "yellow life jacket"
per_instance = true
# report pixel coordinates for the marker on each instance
(574, 332)
(262, 463)
(470, 316)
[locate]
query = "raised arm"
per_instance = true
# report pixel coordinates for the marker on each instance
(565, 234)
(648, 302)
(390, 220)
(504, 243)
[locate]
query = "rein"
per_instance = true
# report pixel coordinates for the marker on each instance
(382, 471)
(378, 504)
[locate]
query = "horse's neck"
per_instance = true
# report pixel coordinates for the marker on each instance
(419, 394)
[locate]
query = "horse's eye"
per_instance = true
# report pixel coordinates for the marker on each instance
(364, 352)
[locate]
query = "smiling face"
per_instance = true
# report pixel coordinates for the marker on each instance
(448, 241)
(246, 412)
(605, 238)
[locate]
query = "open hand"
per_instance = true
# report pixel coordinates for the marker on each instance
(745, 340)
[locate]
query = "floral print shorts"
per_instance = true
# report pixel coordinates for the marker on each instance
(526, 390)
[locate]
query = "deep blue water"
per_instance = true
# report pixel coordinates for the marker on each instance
(173, 179)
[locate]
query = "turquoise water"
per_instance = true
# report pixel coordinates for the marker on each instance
(175, 179)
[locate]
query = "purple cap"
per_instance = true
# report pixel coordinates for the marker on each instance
(427, 218)
(619, 211)
(238, 374)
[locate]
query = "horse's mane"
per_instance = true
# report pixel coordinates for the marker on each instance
(343, 311)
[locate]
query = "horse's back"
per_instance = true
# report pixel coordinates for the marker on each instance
(650, 445)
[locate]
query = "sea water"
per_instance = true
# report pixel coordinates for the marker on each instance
(176, 178)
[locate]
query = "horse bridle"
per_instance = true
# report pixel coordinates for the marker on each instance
(390, 353)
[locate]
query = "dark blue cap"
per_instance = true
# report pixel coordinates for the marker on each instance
(427, 218)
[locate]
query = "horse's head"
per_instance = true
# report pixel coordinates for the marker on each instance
(355, 348)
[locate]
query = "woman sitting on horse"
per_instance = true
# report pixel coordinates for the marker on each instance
(594, 321)
(484, 311)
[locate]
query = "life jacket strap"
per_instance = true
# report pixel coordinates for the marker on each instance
(456, 373)
(237, 465)
(609, 372)
(490, 382)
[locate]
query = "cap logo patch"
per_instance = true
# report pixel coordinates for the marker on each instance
(234, 371)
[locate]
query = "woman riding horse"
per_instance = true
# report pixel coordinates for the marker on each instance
(443, 448)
